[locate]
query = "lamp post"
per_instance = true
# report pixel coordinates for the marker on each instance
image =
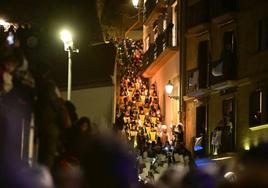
(67, 40)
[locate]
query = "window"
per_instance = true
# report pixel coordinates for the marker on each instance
(228, 56)
(228, 42)
(228, 132)
(256, 108)
(203, 60)
(201, 128)
(263, 34)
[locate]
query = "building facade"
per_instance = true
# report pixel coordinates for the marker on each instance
(226, 73)
(161, 53)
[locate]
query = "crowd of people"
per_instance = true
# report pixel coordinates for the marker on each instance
(73, 155)
(139, 118)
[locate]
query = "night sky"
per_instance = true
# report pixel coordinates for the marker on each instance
(79, 16)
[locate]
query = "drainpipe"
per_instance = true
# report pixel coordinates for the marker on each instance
(182, 59)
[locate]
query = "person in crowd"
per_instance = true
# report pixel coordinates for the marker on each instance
(20, 175)
(15, 102)
(82, 131)
(178, 132)
(252, 167)
(70, 118)
(119, 122)
(68, 173)
(106, 163)
(83, 126)
(49, 120)
(71, 109)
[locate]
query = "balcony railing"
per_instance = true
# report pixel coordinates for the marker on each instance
(148, 8)
(149, 56)
(198, 13)
(163, 41)
(223, 70)
(220, 7)
(150, 5)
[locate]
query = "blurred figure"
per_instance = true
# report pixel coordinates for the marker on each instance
(172, 177)
(71, 112)
(40, 176)
(252, 168)
(106, 163)
(49, 121)
(198, 179)
(71, 119)
(68, 173)
(81, 132)
(20, 175)
(84, 126)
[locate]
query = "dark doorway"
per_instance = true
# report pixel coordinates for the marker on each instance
(228, 135)
(201, 125)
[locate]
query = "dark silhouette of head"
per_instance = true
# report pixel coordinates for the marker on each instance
(106, 163)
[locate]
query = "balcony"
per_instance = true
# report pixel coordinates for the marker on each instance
(198, 13)
(221, 7)
(152, 8)
(223, 73)
(158, 53)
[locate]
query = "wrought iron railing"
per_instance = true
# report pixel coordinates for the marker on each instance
(150, 5)
(163, 41)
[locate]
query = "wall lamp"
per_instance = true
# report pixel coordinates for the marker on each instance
(169, 88)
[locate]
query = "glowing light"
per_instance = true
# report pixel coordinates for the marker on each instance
(169, 87)
(66, 36)
(4, 23)
(246, 146)
(221, 158)
(258, 128)
(10, 38)
(164, 127)
(198, 148)
(230, 176)
(135, 3)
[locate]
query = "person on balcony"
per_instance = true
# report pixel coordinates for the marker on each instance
(216, 140)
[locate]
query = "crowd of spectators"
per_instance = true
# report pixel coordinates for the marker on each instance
(72, 155)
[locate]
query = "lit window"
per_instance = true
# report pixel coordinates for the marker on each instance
(256, 108)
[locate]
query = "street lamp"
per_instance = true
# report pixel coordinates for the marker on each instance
(67, 40)
(169, 88)
(138, 5)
